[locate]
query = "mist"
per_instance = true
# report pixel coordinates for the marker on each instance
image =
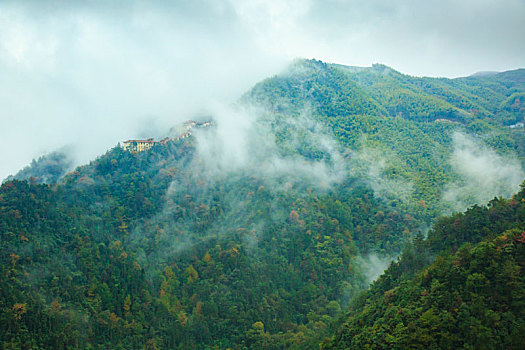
(244, 141)
(238, 156)
(374, 266)
(92, 74)
(483, 174)
(47, 169)
(371, 163)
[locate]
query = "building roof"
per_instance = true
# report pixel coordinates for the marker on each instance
(141, 141)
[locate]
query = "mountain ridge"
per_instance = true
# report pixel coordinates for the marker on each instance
(256, 232)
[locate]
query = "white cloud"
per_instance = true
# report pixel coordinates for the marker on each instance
(243, 142)
(91, 72)
(483, 174)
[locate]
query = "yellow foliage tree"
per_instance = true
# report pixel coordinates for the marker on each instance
(19, 309)
(127, 306)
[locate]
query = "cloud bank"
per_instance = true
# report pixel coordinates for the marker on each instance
(94, 73)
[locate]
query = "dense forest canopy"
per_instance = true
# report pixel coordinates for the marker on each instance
(471, 296)
(264, 230)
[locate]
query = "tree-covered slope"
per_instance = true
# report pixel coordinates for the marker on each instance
(409, 121)
(147, 249)
(256, 232)
(48, 168)
(471, 296)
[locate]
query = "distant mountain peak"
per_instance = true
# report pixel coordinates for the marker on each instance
(484, 74)
(301, 65)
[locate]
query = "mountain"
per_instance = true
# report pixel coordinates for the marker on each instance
(257, 231)
(411, 126)
(484, 74)
(145, 248)
(48, 168)
(471, 296)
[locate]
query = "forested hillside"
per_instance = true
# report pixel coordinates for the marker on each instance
(408, 125)
(114, 255)
(471, 296)
(259, 231)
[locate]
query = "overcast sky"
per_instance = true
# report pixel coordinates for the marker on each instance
(92, 73)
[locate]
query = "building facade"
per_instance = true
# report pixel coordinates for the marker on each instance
(183, 131)
(135, 146)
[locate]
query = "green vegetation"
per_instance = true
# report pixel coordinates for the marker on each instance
(471, 296)
(409, 121)
(46, 169)
(161, 250)
(111, 258)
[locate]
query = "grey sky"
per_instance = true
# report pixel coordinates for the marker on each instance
(93, 73)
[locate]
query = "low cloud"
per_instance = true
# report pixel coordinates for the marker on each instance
(240, 154)
(483, 174)
(89, 73)
(47, 169)
(373, 266)
(94, 75)
(246, 140)
(372, 164)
